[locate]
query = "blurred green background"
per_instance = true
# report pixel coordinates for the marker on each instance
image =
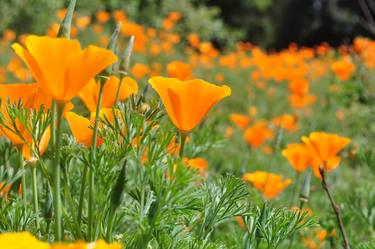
(268, 23)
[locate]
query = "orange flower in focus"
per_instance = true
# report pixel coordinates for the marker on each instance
(102, 16)
(240, 120)
(324, 148)
(60, 66)
(140, 70)
(286, 121)
(343, 68)
(188, 102)
(298, 155)
(90, 93)
(270, 185)
(257, 134)
(179, 70)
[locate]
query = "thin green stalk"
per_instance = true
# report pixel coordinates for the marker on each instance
(183, 136)
(81, 197)
(35, 196)
(295, 189)
(336, 209)
(93, 161)
(111, 219)
(23, 179)
(57, 207)
(118, 90)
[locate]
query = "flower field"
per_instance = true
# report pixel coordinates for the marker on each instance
(120, 135)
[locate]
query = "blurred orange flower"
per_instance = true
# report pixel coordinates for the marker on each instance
(257, 134)
(269, 184)
(240, 120)
(140, 70)
(179, 70)
(343, 68)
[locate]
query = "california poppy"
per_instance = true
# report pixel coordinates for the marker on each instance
(188, 102)
(90, 92)
(179, 70)
(257, 134)
(60, 66)
(240, 120)
(324, 148)
(269, 184)
(81, 128)
(298, 156)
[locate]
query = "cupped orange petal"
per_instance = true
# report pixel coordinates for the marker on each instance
(60, 66)
(80, 127)
(188, 102)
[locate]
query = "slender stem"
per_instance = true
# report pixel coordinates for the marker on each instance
(183, 136)
(57, 209)
(23, 179)
(81, 197)
(111, 219)
(335, 208)
(35, 196)
(295, 189)
(118, 90)
(93, 161)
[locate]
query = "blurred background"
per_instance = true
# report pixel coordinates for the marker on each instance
(271, 24)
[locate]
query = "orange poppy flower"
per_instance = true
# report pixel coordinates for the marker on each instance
(4, 190)
(194, 40)
(200, 164)
(179, 70)
(31, 95)
(298, 156)
(188, 102)
(240, 120)
(83, 21)
(81, 129)
(90, 92)
(140, 70)
(343, 68)
(270, 185)
(286, 121)
(60, 66)
(102, 16)
(42, 144)
(324, 148)
(257, 134)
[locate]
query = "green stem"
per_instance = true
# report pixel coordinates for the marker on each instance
(35, 196)
(183, 136)
(335, 208)
(23, 179)
(93, 162)
(118, 90)
(295, 189)
(111, 219)
(81, 197)
(57, 209)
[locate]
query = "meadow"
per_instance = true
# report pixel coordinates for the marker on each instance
(118, 135)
